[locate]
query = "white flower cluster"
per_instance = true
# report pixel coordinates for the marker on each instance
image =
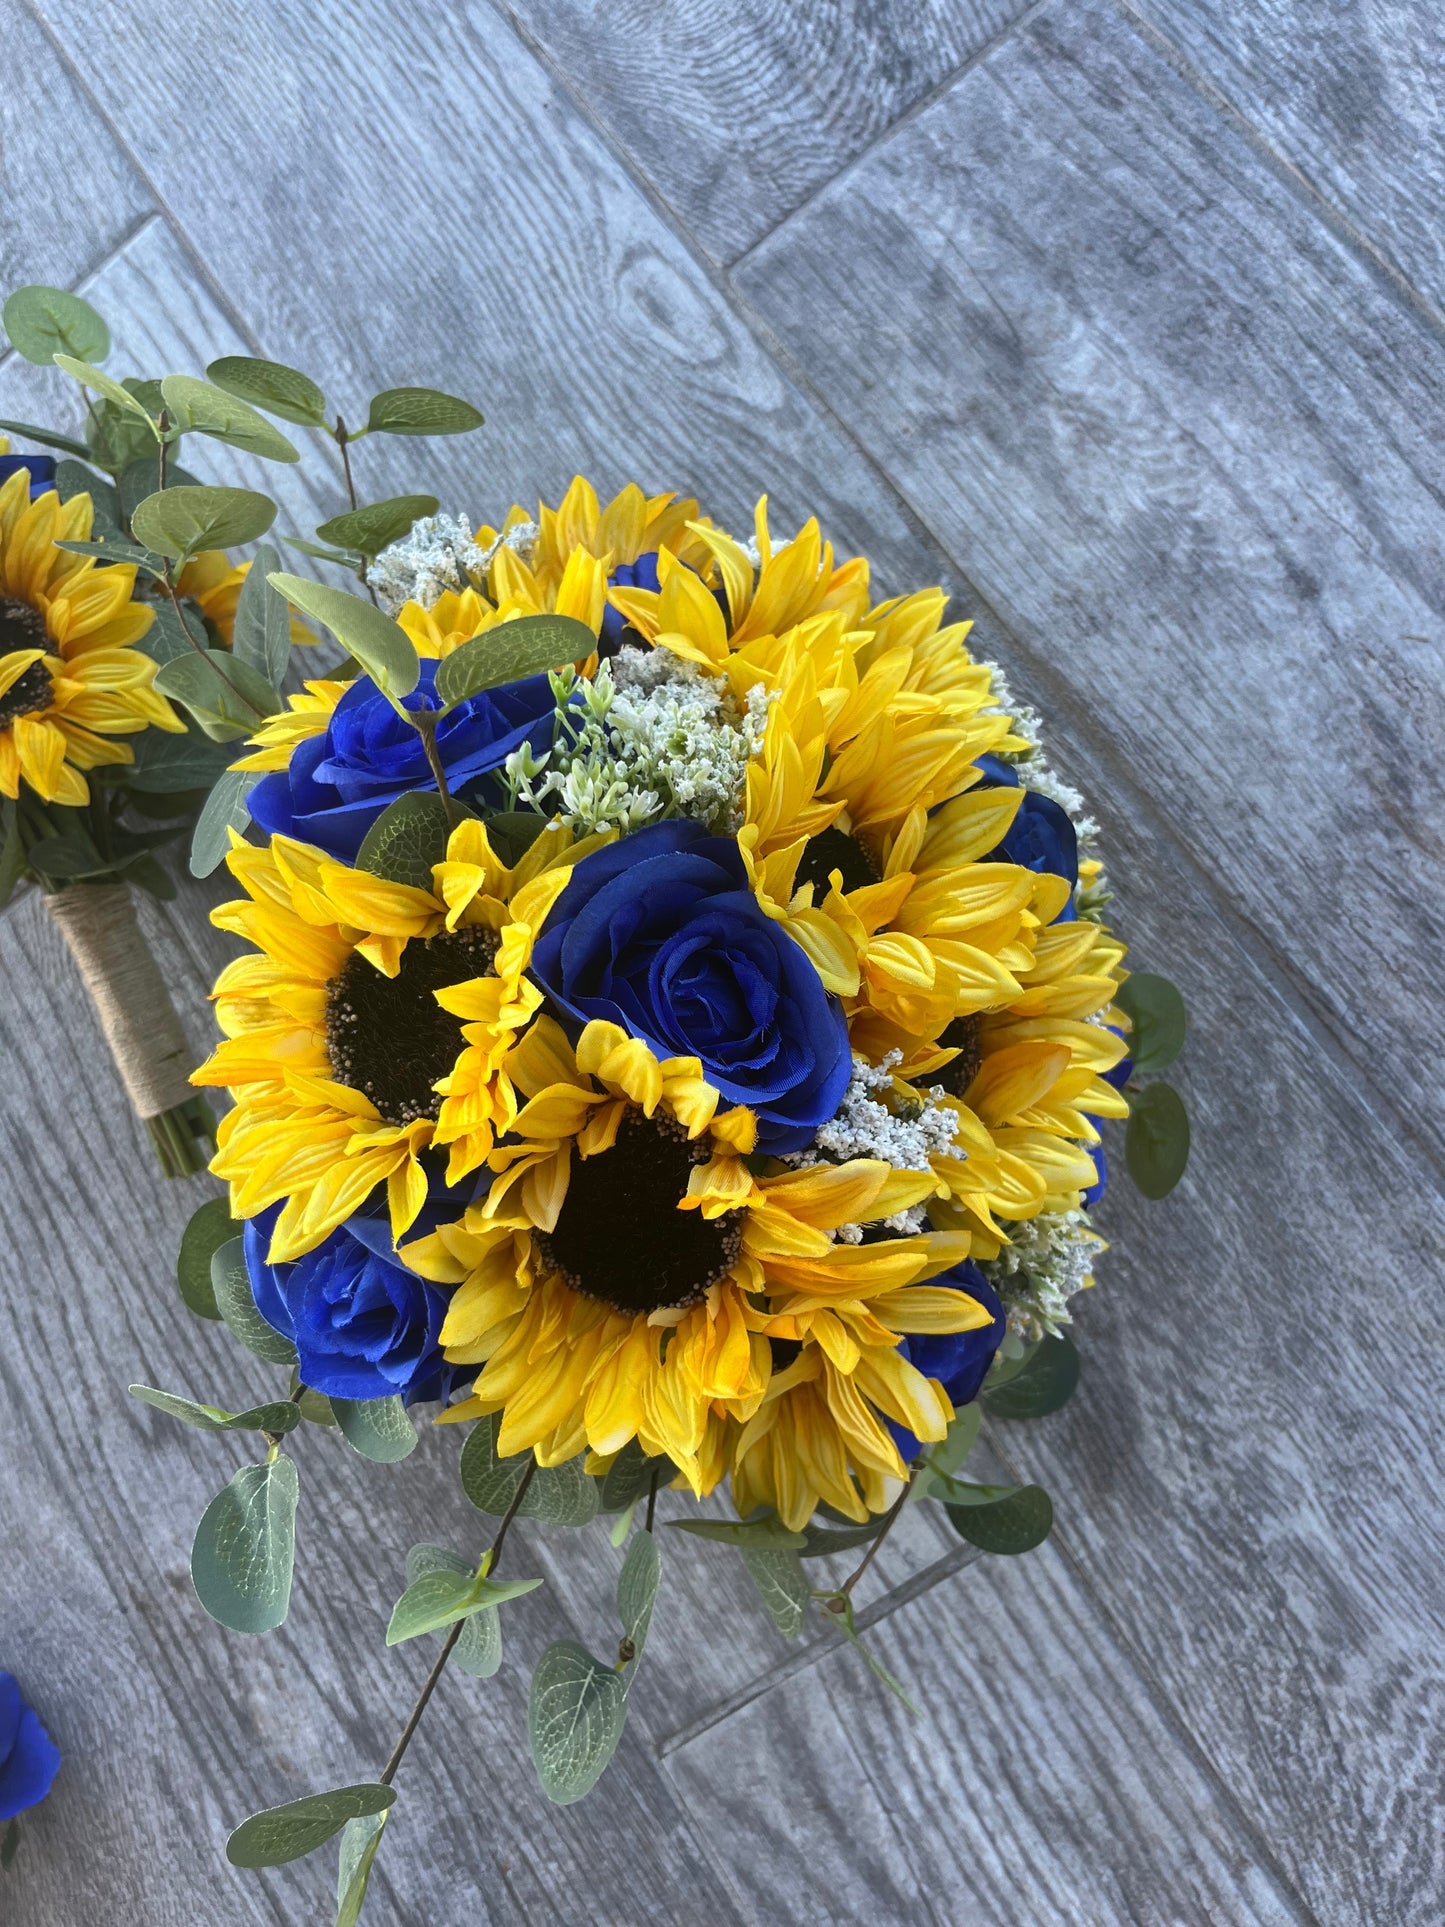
(648, 737)
(439, 553)
(863, 1127)
(1047, 1261)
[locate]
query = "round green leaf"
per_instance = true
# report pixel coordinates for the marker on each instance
(182, 521)
(359, 1842)
(90, 376)
(1156, 1142)
(367, 531)
(377, 1428)
(43, 322)
(205, 409)
(478, 1651)
(273, 386)
(382, 647)
(407, 838)
(420, 411)
(279, 1834)
(278, 1418)
(1047, 1381)
(576, 1711)
(629, 1476)
(225, 810)
(1012, 1525)
(245, 1548)
(227, 698)
(782, 1586)
(210, 1227)
(489, 1480)
(231, 1283)
(561, 1495)
(526, 646)
(1156, 1011)
(637, 1589)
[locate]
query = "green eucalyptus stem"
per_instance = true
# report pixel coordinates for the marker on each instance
(201, 651)
(163, 428)
(425, 724)
(388, 1772)
(894, 1513)
(343, 439)
(652, 1497)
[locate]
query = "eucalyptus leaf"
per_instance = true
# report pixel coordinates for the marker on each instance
(231, 1283)
(227, 698)
(262, 635)
(273, 386)
(525, 646)
(367, 531)
(378, 1428)
(489, 1480)
(12, 850)
(576, 1712)
(169, 765)
(47, 437)
(382, 647)
(179, 522)
(343, 558)
(782, 1586)
(278, 1418)
(204, 409)
(1156, 1139)
(245, 1548)
(315, 1407)
(359, 1842)
(10, 1844)
(89, 376)
(225, 810)
(1156, 1012)
(959, 1492)
(210, 1227)
(1047, 1381)
(115, 550)
(440, 1598)
(637, 1589)
(820, 1542)
(420, 411)
(629, 1478)
(950, 1452)
(279, 1834)
(63, 858)
(168, 636)
(769, 1532)
(78, 478)
(407, 838)
(118, 438)
(512, 833)
(845, 1623)
(1016, 1523)
(42, 321)
(478, 1651)
(561, 1495)
(143, 477)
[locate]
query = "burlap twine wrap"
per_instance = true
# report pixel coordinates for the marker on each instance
(98, 923)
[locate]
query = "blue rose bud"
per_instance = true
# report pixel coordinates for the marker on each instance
(1096, 1190)
(41, 467)
(364, 1326)
(338, 784)
(958, 1360)
(29, 1758)
(660, 933)
(616, 631)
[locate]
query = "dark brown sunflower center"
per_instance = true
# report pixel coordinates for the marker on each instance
(833, 849)
(965, 1035)
(23, 627)
(620, 1236)
(388, 1037)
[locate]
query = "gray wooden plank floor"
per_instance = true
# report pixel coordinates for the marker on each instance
(1123, 331)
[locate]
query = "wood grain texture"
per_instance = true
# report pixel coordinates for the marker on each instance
(1187, 446)
(738, 110)
(1352, 94)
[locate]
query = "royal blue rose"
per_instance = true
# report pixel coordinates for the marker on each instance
(29, 1758)
(1096, 1190)
(661, 934)
(41, 467)
(337, 784)
(958, 1360)
(363, 1325)
(616, 631)
(1041, 837)
(1123, 1070)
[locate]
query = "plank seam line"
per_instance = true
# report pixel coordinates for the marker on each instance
(794, 1663)
(93, 268)
(1293, 176)
(1276, 974)
(910, 114)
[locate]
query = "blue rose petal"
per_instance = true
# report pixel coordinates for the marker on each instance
(958, 1360)
(29, 1758)
(41, 467)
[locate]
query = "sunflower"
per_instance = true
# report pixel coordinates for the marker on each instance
(71, 678)
(373, 1021)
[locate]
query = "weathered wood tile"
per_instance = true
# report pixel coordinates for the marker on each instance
(1188, 447)
(738, 110)
(1352, 94)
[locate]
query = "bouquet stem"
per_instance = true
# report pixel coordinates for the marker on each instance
(98, 923)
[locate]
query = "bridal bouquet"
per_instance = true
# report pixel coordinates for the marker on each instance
(670, 1043)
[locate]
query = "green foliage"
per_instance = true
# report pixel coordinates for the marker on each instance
(226, 698)
(382, 647)
(314, 1407)
(113, 549)
(559, 1495)
(512, 833)
(822, 1541)
(245, 1548)
(378, 1428)
(202, 408)
(167, 765)
(359, 1842)
(210, 1227)
(478, 1651)
(1156, 1139)
(47, 437)
(767, 1532)
(948, 1455)
(839, 1608)
(576, 1712)
(1015, 1522)
(367, 531)
(278, 1418)
(10, 1845)
(89, 376)
(407, 838)
(180, 522)
(12, 850)
(526, 646)
(169, 637)
(437, 1599)
(224, 810)
(273, 386)
(42, 322)
(1156, 1012)
(637, 1589)
(629, 1477)
(1045, 1382)
(420, 411)
(782, 1586)
(343, 558)
(262, 635)
(231, 1283)
(279, 1834)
